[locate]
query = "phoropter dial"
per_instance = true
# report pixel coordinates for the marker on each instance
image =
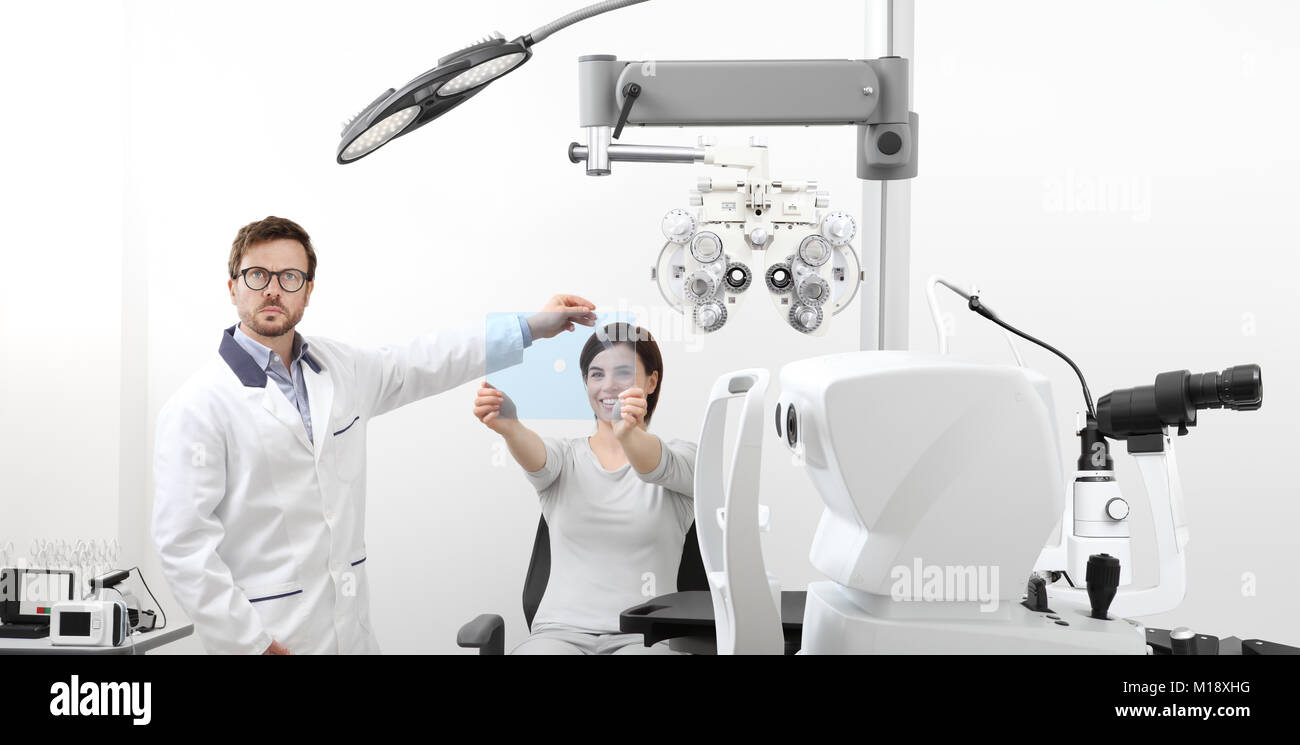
(711, 315)
(700, 286)
(780, 278)
(706, 247)
(737, 277)
(815, 250)
(839, 228)
(813, 290)
(805, 318)
(678, 226)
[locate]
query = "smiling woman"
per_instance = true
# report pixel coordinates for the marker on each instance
(616, 358)
(617, 504)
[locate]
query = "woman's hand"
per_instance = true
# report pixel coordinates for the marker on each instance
(495, 409)
(643, 450)
(497, 412)
(633, 404)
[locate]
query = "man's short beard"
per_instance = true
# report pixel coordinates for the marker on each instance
(271, 332)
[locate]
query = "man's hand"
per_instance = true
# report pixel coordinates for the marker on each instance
(560, 314)
(495, 409)
(277, 648)
(633, 404)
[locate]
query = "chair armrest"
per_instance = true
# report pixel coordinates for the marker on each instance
(487, 633)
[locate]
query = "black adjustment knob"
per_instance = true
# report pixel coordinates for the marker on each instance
(1036, 595)
(889, 143)
(1182, 641)
(1103, 582)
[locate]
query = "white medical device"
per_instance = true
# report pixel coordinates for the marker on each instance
(942, 483)
(89, 623)
(1094, 541)
(798, 249)
(1096, 520)
(776, 235)
(746, 597)
(138, 620)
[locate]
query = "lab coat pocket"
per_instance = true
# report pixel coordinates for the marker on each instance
(347, 440)
(272, 593)
(279, 607)
(359, 590)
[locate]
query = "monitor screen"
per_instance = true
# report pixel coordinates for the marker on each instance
(29, 595)
(74, 623)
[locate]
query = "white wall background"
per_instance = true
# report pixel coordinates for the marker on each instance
(1116, 176)
(63, 120)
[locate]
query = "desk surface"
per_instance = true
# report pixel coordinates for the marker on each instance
(688, 617)
(135, 643)
(690, 614)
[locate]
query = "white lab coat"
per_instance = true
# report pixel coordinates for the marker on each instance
(261, 532)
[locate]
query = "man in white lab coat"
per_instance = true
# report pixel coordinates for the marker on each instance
(259, 465)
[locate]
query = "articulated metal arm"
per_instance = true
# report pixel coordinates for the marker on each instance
(872, 94)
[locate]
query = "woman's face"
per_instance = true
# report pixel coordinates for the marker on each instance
(611, 372)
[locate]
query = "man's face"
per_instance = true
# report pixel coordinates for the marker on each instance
(271, 312)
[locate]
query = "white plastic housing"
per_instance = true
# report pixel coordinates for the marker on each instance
(920, 457)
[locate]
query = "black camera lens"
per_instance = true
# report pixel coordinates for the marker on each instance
(1176, 397)
(1239, 388)
(791, 426)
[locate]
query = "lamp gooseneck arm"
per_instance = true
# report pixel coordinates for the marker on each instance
(541, 32)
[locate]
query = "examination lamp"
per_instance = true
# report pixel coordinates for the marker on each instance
(457, 78)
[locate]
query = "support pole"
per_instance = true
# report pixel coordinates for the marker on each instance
(886, 205)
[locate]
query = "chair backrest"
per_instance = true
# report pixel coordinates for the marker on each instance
(690, 573)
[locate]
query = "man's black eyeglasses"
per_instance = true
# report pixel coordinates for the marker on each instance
(257, 278)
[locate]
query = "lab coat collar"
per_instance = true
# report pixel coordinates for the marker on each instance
(274, 401)
(240, 361)
(320, 390)
(246, 368)
(306, 357)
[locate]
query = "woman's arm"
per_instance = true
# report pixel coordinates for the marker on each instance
(525, 446)
(676, 469)
(643, 449)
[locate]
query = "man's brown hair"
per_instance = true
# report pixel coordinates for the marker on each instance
(270, 229)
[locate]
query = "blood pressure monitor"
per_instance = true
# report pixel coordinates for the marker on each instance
(89, 623)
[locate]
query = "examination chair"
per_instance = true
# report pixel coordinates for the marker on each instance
(487, 632)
